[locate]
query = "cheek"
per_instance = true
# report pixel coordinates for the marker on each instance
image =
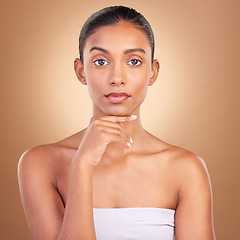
(140, 81)
(141, 91)
(140, 84)
(94, 83)
(95, 89)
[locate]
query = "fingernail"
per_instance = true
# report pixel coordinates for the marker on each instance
(133, 116)
(131, 141)
(128, 144)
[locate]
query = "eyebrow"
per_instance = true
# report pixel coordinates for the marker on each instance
(134, 50)
(99, 49)
(127, 51)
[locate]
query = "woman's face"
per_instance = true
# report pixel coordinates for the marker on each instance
(117, 69)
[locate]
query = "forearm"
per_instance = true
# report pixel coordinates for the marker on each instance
(78, 220)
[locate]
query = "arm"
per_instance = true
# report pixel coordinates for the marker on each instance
(42, 204)
(46, 216)
(193, 219)
(45, 213)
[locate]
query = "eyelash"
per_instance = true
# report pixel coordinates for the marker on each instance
(96, 62)
(136, 60)
(105, 62)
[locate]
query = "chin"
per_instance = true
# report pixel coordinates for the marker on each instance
(118, 111)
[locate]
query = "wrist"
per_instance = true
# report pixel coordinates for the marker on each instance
(82, 162)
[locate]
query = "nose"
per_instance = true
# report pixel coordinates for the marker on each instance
(118, 76)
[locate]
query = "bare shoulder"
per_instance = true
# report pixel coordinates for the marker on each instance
(194, 193)
(38, 171)
(187, 165)
(38, 162)
(189, 169)
(40, 152)
(178, 158)
(185, 160)
(48, 157)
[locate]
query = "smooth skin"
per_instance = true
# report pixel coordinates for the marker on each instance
(114, 162)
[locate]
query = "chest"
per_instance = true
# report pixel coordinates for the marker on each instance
(134, 183)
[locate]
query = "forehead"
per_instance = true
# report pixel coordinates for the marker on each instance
(122, 35)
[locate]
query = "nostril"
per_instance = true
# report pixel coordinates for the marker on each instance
(118, 83)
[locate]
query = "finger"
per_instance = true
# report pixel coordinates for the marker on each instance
(112, 125)
(114, 137)
(116, 118)
(116, 132)
(126, 133)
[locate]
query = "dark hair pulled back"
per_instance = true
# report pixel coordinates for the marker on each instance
(112, 15)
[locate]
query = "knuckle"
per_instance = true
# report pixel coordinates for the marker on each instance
(95, 122)
(92, 119)
(100, 130)
(104, 136)
(119, 131)
(119, 135)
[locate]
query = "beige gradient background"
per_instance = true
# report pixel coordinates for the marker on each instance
(193, 104)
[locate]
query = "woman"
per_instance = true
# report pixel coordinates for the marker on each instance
(114, 180)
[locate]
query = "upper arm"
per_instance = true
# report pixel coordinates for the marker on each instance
(193, 218)
(41, 202)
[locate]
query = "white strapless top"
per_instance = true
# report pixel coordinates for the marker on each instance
(135, 223)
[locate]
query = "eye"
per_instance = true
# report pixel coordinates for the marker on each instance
(100, 62)
(134, 62)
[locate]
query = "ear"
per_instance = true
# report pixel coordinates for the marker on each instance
(155, 71)
(79, 70)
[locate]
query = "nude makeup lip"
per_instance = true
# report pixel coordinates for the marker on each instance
(117, 97)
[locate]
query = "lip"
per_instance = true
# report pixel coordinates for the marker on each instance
(117, 97)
